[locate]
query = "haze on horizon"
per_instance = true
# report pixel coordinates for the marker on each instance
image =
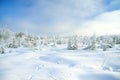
(61, 16)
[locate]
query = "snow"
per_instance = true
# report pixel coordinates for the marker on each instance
(58, 63)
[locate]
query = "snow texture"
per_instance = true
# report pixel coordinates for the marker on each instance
(60, 64)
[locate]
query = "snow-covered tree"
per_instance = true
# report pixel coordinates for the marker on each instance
(2, 50)
(107, 42)
(72, 43)
(5, 34)
(92, 43)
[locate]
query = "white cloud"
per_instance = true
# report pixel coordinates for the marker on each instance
(67, 15)
(69, 8)
(106, 23)
(60, 16)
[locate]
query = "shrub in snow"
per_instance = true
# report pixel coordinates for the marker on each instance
(92, 44)
(2, 50)
(106, 46)
(19, 38)
(72, 43)
(59, 42)
(5, 34)
(107, 42)
(13, 44)
(117, 39)
(19, 35)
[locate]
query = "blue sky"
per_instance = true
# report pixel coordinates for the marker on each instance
(60, 16)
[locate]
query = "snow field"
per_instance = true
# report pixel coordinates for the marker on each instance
(60, 64)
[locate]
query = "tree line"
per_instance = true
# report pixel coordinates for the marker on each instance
(9, 39)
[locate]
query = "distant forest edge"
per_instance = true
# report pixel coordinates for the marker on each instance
(9, 39)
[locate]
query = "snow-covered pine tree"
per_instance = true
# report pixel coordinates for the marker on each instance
(5, 37)
(2, 50)
(72, 43)
(92, 43)
(19, 37)
(5, 34)
(107, 42)
(117, 39)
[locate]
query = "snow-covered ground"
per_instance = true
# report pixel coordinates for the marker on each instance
(60, 64)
